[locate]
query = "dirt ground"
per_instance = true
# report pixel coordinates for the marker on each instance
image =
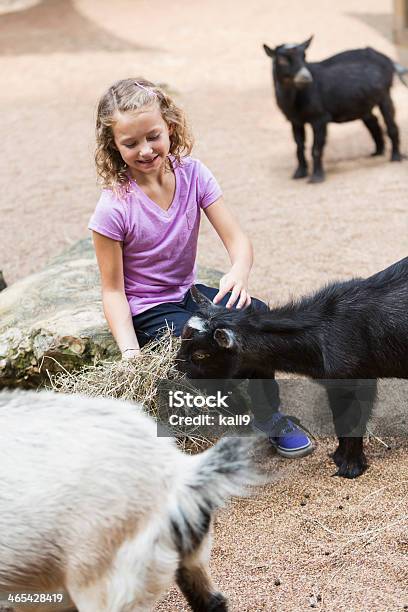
(346, 547)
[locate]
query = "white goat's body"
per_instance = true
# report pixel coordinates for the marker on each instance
(89, 500)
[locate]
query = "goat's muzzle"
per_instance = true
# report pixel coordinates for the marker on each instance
(303, 77)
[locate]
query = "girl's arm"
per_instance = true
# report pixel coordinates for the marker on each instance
(239, 249)
(115, 304)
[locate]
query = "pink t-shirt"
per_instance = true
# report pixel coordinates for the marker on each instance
(159, 246)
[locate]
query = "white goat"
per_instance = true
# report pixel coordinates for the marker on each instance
(93, 502)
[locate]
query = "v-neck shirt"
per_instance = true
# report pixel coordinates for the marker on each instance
(134, 184)
(159, 246)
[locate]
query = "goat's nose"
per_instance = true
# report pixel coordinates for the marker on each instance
(303, 76)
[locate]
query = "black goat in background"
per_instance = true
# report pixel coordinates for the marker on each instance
(344, 87)
(356, 331)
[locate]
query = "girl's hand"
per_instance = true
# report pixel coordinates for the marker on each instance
(130, 353)
(237, 284)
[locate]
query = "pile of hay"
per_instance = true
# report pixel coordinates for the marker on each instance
(134, 380)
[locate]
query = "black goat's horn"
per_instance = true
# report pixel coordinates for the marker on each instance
(305, 44)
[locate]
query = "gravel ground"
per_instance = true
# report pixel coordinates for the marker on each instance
(346, 547)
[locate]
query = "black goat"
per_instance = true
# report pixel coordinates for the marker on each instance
(3, 283)
(356, 331)
(344, 87)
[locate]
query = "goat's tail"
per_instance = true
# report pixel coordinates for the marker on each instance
(401, 71)
(214, 476)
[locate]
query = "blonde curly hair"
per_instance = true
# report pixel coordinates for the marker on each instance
(129, 95)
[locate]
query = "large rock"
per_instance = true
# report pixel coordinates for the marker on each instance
(9, 6)
(53, 319)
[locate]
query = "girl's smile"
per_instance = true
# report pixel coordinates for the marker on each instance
(143, 141)
(147, 163)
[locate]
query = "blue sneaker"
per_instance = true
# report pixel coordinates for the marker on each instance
(286, 435)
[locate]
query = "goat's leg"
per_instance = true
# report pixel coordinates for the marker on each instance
(351, 403)
(193, 579)
(338, 455)
(90, 597)
(353, 462)
(372, 125)
(124, 592)
(319, 140)
(388, 112)
(299, 136)
(140, 571)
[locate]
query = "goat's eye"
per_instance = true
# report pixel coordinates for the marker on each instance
(198, 356)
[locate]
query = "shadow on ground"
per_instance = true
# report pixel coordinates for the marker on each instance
(56, 26)
(382, 22)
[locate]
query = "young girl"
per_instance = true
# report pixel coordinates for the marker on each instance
(145, 232)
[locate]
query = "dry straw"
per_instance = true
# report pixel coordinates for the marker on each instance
(133, 380)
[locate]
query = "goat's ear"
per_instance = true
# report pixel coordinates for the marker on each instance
(303, 46)
(224, 338)
(199, 297)
(269, 52)
(187, 332)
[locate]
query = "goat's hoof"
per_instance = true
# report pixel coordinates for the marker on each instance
(316, 178)
(217, 603)
(377, 152)
(352, 469)
(398, 157)
(300, 172)
(338, 457)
